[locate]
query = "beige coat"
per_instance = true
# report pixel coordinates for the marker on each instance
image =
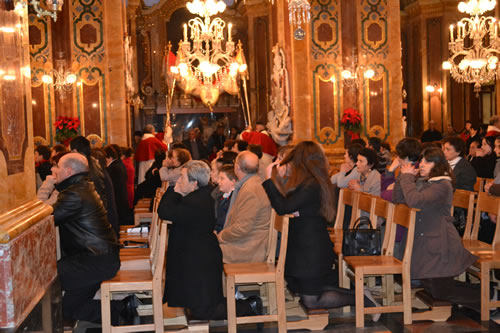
(246, 231)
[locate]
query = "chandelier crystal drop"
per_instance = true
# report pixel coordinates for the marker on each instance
(474, 45)
(299, 13)
(203, 67)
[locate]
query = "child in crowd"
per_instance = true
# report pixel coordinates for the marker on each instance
(222, 195)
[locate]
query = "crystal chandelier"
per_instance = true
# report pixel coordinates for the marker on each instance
(51, 7)
(203, 68)
(354, 76)
(475, 46)
(61, 79)
(299, 12)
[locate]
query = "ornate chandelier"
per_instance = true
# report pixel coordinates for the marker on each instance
(299, 12)
(354, 76)
(51, 7)
(61, 79)
(203, 68)
(475, 47)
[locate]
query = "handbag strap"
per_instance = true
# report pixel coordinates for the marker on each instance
(361, 221)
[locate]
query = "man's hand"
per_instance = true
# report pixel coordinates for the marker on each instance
(396, 163)
(487, 187)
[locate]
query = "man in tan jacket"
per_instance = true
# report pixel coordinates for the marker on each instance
(246, 231)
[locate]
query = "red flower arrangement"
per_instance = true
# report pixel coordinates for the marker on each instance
(351, 120)
(66, 129)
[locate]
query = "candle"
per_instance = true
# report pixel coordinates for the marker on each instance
(185, 32)
(229, 28)
(451, 32)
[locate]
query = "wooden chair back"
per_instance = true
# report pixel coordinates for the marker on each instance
(464, 199)
(347, 197)
(488, 204)
(480, 182)
(405, 217)
(158, 257)
(164, 186)
(281, 223)
(384, 209)
(366, 203)
(272, 240)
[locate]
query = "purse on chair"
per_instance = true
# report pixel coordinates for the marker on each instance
(361, 242)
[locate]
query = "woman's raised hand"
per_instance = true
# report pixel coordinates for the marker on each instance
(409, 168)
(355, 185)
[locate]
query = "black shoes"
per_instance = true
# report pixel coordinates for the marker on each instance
(255, 303)
(129, 314)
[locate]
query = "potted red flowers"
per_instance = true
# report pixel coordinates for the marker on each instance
(351, 121)
(66, 129)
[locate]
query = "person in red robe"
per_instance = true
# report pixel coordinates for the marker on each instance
(129, 166)
(145, 152)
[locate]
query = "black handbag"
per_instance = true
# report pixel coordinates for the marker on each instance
(361, 242)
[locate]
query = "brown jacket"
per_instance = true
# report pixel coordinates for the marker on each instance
(246, 231)
(437, 247)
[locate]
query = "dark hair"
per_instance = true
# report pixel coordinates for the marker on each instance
(229, 144)
(309, 165)
(426, 145)
(100, 156)
(478, 141)
(490, 140)
(59, 148)
(409, 148)
(57, 157)
(81, 145)
(110, 152)
(126, 151)
(457, 143)
(228, 169)
(353, 150)
(283, 150)
(441, 166)
(183, 155)
(256, 149)
(176, 145)
(359, 141)
(375, 142)
(117, 149)
(160, 155)
(468, 122)
(138, 133)
(229, 157)
(44, 151)
(242, 145)
(371, 157)
(259, 123)
(386, 146)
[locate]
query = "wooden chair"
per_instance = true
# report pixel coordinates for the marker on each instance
(480, 182)
(465, 199)
(145, 280)
(491, 205)
(386, 264)
(245, 273)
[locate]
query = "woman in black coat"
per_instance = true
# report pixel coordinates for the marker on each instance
(299, 185)
(485, 159)
(194, 258)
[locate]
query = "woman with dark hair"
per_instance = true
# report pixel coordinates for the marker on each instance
(485, 159)
(369, 177)
(348, 169)
(152, 180)
(299, 185)
(438, 254)
(171, 169)
(454, 152)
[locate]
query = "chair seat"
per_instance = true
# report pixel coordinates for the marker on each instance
(131, 280)
(473, 245)
(487, 255)
(375, 264)
(135, 252)
(251, 272)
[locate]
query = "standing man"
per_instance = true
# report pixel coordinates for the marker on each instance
(89, 247)
(118, 175)
(246, 231)
(195, 146)
(145, 152)
(432, 134)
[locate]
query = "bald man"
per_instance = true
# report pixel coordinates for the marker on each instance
(246, 230)
(89, 247)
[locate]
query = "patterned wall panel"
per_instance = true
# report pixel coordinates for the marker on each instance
(41, 63)
(375, 46)
(325, 47)
(88, 52)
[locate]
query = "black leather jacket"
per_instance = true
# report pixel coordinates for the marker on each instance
(81, 217)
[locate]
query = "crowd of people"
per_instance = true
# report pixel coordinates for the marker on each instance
(220, 197)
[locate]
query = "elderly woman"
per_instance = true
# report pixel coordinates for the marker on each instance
(369, 177)
(171, 169)
(438, 254)
(194, 258)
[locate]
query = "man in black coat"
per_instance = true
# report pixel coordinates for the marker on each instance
(195, 146)
(118, 174)
(432, 134)
(89, 247)
(101, 179)
(454, 151)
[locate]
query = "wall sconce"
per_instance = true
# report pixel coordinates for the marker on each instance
(432, 88)
(53, 7)
(61, 79)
